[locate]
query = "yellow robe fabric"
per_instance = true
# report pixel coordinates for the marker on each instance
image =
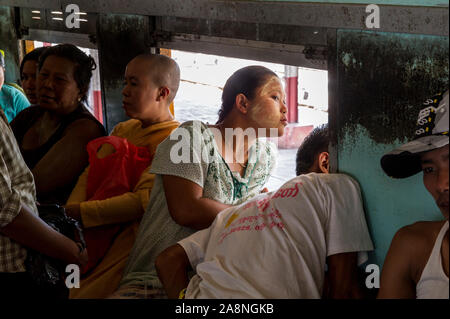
(126, 209)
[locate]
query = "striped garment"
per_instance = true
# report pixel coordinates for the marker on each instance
(16, 189)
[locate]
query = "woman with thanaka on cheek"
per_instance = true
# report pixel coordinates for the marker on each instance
(270, 109)
(259, 112)
(151, 83)
(188, 194)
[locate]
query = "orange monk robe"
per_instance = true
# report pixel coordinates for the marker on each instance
(126, 209)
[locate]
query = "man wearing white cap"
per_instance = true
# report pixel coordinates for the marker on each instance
(417, 263)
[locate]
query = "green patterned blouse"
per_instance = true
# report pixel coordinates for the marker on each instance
(191, 152)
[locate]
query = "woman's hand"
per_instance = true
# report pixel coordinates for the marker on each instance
(73, 210)
(29, 230)
(82, 257)
(265, 190)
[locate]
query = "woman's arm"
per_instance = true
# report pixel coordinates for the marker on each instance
(122, 208)
(186, 204)
(342, 277)
(31, 231)
(172, 266)
(118, 209)
(67, 158)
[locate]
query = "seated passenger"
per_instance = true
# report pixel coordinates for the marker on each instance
(52, 135)
(205, 172)
(20, 226)
(12, 101)
(28, 72)
(277, 244)
(416, 265)
(151, 85)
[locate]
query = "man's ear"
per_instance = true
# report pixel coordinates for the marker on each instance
(163, 93)
(324, 165)
(242, 103)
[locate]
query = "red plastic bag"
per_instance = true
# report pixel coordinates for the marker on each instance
(113, 175)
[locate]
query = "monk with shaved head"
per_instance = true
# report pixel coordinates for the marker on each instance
(151, 83)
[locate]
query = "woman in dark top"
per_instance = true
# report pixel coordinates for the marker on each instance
(53, 134)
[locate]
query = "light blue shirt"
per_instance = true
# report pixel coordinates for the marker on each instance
(12, 101)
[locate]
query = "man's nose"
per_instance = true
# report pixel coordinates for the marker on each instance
(443, 180)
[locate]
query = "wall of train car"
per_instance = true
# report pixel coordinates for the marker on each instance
(382, 80)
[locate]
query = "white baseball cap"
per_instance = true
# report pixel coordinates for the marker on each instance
(431, 133)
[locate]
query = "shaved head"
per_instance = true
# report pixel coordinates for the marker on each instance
(162, 70)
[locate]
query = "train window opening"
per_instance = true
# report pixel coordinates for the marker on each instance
(199, 97)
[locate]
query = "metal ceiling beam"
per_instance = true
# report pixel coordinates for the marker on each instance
(44, 21)
(79, 39)
(247, 49)
(276, 33)
(401, 19)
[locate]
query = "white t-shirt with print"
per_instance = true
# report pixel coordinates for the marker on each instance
(275, 246)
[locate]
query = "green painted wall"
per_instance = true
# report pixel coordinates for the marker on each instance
(426, 3)
(382, 80)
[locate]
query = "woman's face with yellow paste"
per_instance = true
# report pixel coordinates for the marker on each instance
(268, 108)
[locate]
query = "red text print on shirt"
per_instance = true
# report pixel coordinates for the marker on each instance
(264, 203)
(287, 192)
(254, 222)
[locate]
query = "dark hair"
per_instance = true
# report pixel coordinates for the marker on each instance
(31, 56)
(315, 143)
(84, 65)
(245, 81)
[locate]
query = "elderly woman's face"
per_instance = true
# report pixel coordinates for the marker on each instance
(56, 86)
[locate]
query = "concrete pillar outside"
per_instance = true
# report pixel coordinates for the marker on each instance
(291, 80)
(168, 53)
(96, 93)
